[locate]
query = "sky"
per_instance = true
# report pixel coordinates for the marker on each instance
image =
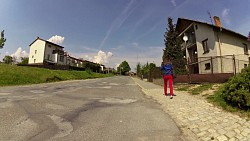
(109, 31)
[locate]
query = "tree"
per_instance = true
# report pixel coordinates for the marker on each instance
(24, 60)
(173, 48)
(8, 59)
(138, 69)
(2, 40)
(124, 67)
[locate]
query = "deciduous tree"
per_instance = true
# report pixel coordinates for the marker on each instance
(8, 59)
(124, 67)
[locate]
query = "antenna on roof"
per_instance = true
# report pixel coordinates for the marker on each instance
(210, 17)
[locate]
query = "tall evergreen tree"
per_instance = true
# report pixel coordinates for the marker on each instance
(173, 48)
(2, 40)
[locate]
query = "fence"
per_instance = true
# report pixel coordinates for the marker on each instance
(218, 64)
(214, 69)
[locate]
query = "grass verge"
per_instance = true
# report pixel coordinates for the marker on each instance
(201, 88)
(21, 75)
(217, 100)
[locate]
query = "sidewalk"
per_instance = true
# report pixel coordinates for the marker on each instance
(197, 118)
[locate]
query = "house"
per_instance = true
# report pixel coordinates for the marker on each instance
(45, 52)
(211, 48)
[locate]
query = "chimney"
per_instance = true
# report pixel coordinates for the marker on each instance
(217, 22)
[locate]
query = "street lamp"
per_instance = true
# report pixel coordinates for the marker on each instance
(185, 39)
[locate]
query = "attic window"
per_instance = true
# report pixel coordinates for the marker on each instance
(49, 46)
(205, 46)
(196, 26)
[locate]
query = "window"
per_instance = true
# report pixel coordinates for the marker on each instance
(196, 26)
(61, 58)
(32, 56)
(34, 60)
(245, 49)
(35, 51)
(48, 57)
(245, 65)
(207, 66)
(205, 46)
(49, 46)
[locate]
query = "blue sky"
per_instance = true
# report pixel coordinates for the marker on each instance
(110, 31)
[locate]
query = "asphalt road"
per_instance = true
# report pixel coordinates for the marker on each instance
(108, 109)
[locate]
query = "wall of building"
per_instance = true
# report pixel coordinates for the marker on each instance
(53, 57)
(203, 32)
(233, 45)
(37, 57)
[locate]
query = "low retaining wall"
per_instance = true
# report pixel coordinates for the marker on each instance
(198, 78)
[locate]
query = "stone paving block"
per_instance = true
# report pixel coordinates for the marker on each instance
(222, 131)
(247, 130)
(222, 138)
(211, 130)
(204, 128)
(244, 134)
(230, 134)
(214, 135)
(193, 118)
(195, 130)
(206, 139)
(232, 139)
(217, 126)
(237, 131)
(239, 136)
(201, 134)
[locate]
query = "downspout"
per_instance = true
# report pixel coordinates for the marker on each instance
(220, 51)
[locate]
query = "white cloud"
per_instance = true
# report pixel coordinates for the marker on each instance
(225, 16)
(20, 53)
(56, 39)
(173, 2)
(102, 57)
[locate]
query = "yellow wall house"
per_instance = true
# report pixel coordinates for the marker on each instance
(210, 48)
(42, 51)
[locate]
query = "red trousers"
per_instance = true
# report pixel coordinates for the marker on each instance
(168, 79)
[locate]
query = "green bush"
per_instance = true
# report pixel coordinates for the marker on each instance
(236, 91)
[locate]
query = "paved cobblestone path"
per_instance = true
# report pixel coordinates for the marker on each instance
(197, 118)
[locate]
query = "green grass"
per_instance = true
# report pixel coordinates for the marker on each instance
(201, 88)
(183, 88)
(217, 100)
(20, 75)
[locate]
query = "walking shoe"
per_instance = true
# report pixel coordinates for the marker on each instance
(171, 97)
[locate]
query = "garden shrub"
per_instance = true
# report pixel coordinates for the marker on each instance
(236, 91)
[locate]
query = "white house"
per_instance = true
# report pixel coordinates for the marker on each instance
(42, 51)
(45, 52)
(212, 49)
